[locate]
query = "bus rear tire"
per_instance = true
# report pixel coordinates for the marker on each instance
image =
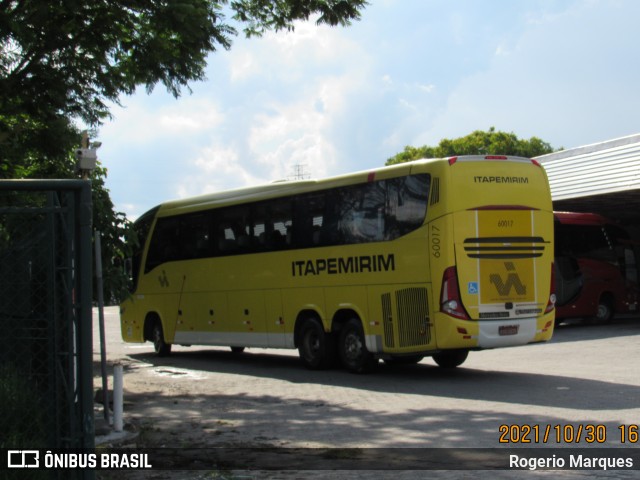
(353, 349)
(316, 348)
(604, 314)
(451, 358)
(161, 348)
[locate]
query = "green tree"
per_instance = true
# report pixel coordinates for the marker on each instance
(64, 61)
(476, 143)
(113, 225)
(73, 57)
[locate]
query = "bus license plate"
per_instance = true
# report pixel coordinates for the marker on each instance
(508, 330)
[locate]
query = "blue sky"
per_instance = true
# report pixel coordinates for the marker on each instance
(411, 72)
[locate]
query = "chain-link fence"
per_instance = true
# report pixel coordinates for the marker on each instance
(45, 316)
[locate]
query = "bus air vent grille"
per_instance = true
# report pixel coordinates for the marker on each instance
(411, 320)
(413, 317)
(504, 247)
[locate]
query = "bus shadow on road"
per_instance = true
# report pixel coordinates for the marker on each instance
(545, 388)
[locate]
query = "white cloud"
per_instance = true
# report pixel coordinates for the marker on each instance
(216, 168)
(291, 113)
(244, 64)
(190, 120)
(216, 159)
(410, 73)
(143, 122)
(308, 41)
(300, 131)
(282, 58)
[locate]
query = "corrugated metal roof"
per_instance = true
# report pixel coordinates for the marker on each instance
(598, 169)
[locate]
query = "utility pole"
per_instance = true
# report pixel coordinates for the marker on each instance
(300, 172)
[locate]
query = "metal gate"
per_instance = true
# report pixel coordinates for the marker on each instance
(46, 380)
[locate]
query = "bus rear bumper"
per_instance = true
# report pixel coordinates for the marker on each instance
(481, 334)
(506, 333)
(514, 332)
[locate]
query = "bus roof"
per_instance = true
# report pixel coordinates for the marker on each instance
(293, 187)
(286, 187)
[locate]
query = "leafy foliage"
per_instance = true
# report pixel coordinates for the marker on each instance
(115, 229)
(36, 148)
(476, 143)
(72, 57)
(66, 60)
(113, 226)
(262, 15)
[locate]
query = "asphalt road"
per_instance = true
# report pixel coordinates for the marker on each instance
(584, 383)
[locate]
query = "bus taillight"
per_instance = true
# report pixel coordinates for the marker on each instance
(551, 304)
(450, 302)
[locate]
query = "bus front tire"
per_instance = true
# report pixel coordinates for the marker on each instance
(162, 348)
(316, 348)
(451, 358)
(353, 349)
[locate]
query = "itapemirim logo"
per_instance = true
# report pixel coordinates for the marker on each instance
(513, 281)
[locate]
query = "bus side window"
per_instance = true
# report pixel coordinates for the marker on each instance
(279, 224)
(225, 237)
(194, 236)
(307, 222)
(394, 201)
(233, 230)
(164, 246)
(366, 212)
(407, 204)
(361, 216)
(226, 240)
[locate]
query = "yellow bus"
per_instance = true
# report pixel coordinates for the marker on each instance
(426, 258)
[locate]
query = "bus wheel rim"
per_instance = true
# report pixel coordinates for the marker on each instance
(353, 346)
(312, 345)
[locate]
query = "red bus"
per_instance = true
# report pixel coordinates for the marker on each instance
(596, 269)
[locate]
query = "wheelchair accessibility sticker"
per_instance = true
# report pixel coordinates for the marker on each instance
(472, 288)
